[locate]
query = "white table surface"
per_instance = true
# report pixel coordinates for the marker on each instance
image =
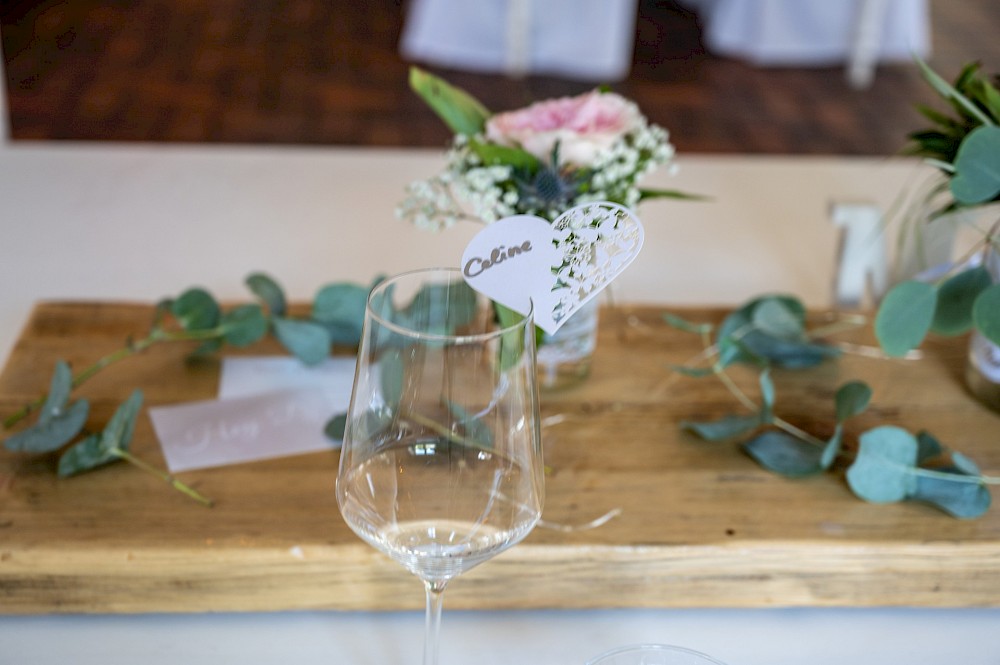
(139, 222)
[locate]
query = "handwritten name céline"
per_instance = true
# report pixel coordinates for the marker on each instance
(477, 265)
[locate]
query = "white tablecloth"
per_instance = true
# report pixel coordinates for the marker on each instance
(737, 637)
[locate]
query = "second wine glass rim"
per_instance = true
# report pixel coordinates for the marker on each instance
(410, 332)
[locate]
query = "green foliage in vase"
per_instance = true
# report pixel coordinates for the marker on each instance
(889, 465)
(964, 144)
(195, 316)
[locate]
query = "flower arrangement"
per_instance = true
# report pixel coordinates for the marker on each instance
(539, 160)
(965, 146)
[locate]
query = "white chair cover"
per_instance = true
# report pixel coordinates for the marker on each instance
(580, 39)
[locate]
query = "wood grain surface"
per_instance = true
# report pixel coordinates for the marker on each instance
(697, 524)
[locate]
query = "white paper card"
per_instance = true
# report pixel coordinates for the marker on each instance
(559, 266)
(198, 435)
(268, 406)
(252, 375)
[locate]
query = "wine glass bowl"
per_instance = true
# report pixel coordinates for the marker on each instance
(653, 654)
(441, 462)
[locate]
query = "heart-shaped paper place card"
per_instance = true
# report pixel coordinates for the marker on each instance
(559, 266)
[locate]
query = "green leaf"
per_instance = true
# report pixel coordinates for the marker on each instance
(512, 342)
(905, 316)
(475, 429)
(335, 427)
(269, 292)
(852, 399)
(740, 340)
(832, 447)
(977, 167)
(883, 471)
(775, 318)
(784, 454)
(493, 154)
(307, 341)
(959, 498)
(341, 309)
(646, 194)
(986, 313)
(453, 303)
(766, 396)
(244, 325)
(51, 433)
(953, 314)
(196, 309)
(99, 449)
(946, 90)
(390, 367)
(787, 354)
(725, 428)
(57, 423)
(928, 447)
(60, 387)
(462, 112)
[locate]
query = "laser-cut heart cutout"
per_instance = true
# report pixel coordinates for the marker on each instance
(557, 266)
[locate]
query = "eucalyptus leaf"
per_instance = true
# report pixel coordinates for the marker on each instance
(60, 387)
(726, 427)
(390, 368)
(335, 427)
(84, 456)
(775, 318)
(928, 447)
(463, 113)
(244, 325)
(986, 313)
(953, 314)
(958, 498)
(787, 354)
(307, 341)
(196, 309)
(51, 433)
(905, 316)
(852, 399)
(883, 471)
(784, 454)
(340, 308)
(476, 431)
(269, 292)
(766, 396)
(965, 464)
(977, 167)
(99, 449)
(832, 447)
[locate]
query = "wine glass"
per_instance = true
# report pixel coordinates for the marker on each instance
(653, 654)
(441, 465)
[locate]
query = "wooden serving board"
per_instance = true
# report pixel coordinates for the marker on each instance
(700, 524)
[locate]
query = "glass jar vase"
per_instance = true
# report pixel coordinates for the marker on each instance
(564, 358)
(982, 372)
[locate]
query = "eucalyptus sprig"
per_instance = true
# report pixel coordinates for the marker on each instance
(194, 316)
(889, 465)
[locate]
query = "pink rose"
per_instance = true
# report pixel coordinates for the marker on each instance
(584, 126)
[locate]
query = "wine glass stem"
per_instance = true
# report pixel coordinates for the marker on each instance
(435, 599)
